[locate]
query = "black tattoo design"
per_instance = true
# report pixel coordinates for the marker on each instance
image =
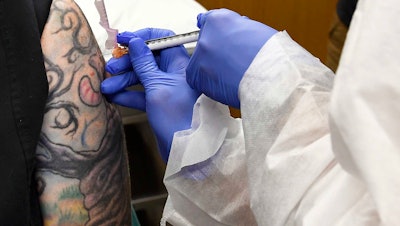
(82, 136)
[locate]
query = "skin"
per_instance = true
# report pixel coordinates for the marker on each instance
(83, 176)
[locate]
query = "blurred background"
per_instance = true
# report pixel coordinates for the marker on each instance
(307, 22)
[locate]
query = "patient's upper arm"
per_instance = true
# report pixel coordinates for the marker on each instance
(83, 171)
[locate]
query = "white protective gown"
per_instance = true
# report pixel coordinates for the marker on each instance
(302, 154)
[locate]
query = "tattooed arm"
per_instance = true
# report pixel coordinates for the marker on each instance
(83, 172)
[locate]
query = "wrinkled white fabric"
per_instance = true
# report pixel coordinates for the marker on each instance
(207, 179)
(286, 162)
(365, 109)
(286, 131)
(287, 147)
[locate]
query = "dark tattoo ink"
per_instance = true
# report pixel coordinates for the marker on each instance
(83, 171)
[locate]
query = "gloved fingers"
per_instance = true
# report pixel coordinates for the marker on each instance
(152, 33)
(173, 59)
(201, 18)
(128, 98)
(117, 66)
(118, 83)
(141, 58)
(168, 60)
(123, 38)
(215, 13)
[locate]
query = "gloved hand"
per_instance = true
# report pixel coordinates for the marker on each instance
(167, 98)
(227, 45)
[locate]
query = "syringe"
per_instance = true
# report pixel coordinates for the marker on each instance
(160, 43)
(171, 41)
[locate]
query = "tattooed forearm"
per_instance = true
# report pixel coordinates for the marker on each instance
(83, 173)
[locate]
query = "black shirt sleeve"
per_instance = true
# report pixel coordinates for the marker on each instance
(42, 9)
(23, 95)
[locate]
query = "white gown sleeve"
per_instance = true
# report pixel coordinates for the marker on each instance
(284, 103)
(255, 170)
(365, 108)
(206, 176)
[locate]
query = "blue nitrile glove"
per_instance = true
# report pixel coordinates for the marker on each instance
(167, 98)
(227, 45)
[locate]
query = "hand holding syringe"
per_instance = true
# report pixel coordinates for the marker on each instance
(160, 43)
